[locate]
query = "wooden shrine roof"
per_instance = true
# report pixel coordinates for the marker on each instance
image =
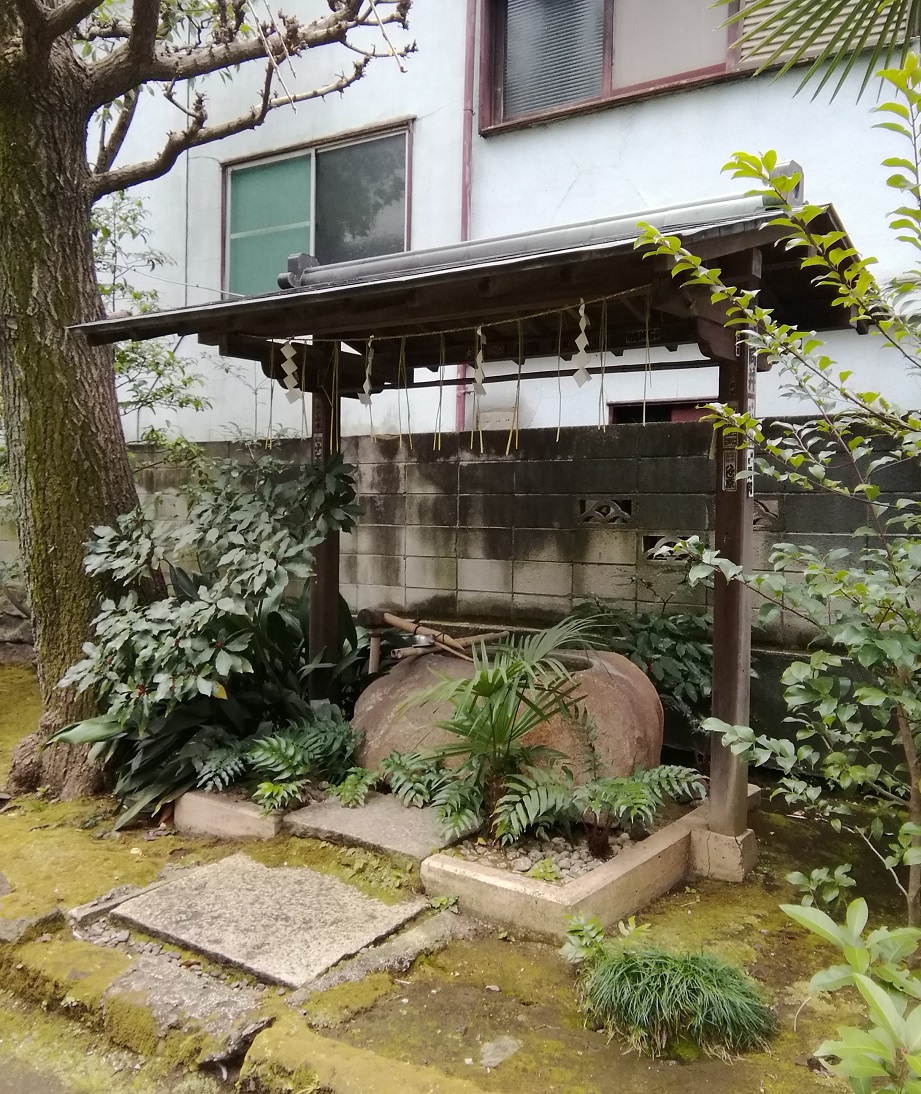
(423, 307)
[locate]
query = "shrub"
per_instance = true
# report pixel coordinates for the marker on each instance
(674, 649)
(655, 1000)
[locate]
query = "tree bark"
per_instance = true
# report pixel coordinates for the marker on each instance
(913, 764)
(68, 459)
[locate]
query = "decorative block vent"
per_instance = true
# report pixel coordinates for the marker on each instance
(766, 516)
(653, 544)
(605, 510)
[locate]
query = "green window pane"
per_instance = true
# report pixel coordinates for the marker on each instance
(270, 195)
(257, 260)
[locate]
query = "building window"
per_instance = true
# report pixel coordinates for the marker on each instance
(545, 57)
(339, 203)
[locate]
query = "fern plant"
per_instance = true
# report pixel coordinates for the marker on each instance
(537, 800)
(355, 787)
(415, 779)
(540, 799)
(273, 796)
(221, 767)
(460, 806)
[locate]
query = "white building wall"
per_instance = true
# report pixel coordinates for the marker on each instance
(631, 157)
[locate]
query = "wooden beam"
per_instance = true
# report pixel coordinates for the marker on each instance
(324, 585)
(732, 600)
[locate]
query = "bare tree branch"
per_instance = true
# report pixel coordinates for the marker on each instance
(126, 67)
(199, 133)
(109, 148)
(68, 15)
(103, 31)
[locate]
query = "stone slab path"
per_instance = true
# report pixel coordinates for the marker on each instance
(381, 824)
(288, 925)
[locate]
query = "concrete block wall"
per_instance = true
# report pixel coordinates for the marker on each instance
(489, 535)
(517, 534)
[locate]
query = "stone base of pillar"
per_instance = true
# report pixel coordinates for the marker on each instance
(725, 858)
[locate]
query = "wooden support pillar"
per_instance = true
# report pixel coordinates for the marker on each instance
(732, 606)
(324, 585)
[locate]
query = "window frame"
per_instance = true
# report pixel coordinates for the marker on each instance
(492, 64)
(309, 150)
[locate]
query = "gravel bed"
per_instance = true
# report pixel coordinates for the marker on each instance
(556, 860)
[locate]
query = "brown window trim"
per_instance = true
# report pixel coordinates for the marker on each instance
(492, 51)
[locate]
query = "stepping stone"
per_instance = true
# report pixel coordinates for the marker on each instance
(284, 924)
(222, 1019)
(381, 824)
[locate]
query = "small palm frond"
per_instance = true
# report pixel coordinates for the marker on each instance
(536, 800)
(833, 34)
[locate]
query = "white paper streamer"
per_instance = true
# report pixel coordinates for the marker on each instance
(365, 397)
(293, 393)
(478, 374)
(582, 359)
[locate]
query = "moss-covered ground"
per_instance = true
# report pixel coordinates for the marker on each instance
(453, 1003)
(449, 1005)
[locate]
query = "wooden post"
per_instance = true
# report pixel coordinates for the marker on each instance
(732, 601)
(324, 585)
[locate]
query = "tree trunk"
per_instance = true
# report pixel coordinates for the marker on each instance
(68, 460)
(913, 765)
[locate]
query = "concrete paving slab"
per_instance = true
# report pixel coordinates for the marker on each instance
(381, 824)
(396, 954)
(219, 1022)
(283, 924)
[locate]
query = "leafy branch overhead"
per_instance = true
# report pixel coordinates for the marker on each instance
(855, 697)
(171, 44)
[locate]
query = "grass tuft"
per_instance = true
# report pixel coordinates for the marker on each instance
(656, 1000)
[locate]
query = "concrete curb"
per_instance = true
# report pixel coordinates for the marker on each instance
(618, 889)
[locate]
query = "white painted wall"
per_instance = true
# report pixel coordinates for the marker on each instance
(667, 150)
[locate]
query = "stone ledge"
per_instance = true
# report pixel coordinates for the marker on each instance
(611, 892)
(202, 813)
(290, 1056)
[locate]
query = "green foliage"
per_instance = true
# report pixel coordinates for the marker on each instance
(222, 766)
(540, 799)
(537, 800)
(414, 778)
(148, 375)
(794, 31)
(655, 999)
(355, 787)
(545, 870)
(823, 886)
(675, 650)
(856, 698)
(584, 938)
(522, 685)
(274, 796)
(226, 653)
(460, 806)
(879, 965)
